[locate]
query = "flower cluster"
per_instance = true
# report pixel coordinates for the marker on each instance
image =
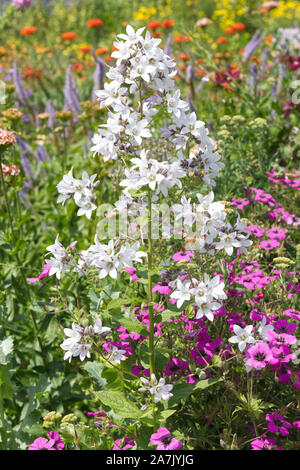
(77, 342)
(80, 190)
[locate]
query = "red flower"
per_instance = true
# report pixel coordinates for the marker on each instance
(184, 57)
(28, 31)
(222, 40)
(153, 25)
(101, 50)
(167, 23)
(77, 66)
(30, 72)
(230, 30)
(95, 23)
(181, 38)
(85, 48)
(239, 27)
(68, 36)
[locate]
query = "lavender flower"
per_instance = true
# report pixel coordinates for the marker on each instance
(252, 46)
(71, 93)
(21, 92)
(42, 154)
(98, 75)
(52, 121)
(168, 48)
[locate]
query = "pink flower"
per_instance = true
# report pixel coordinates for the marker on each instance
(183, 255)
(21, 3)
(162, 288)
(163, 440)
(54, 443)
(259, 356)
(255, 230)
(123, 444)
(268, 244)
(240, 203)
(264, 443)
(277, 423)
(55, 440)
(276, 233)
(40, 444)
(44, 273)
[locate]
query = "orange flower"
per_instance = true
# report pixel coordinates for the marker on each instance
(222, 40)
(85, 48)
(181, 38)
(153, 25)
(239, 27)
(77, 66)
(184, 56)
(199, 61)
(167, 23)
(28, 31)
(200, 72)
(125, 23)
(108, 58)
(95, 23)
(30, 72)
(230, 30)
(68, 35)
(114, 48)
(182, 67)
(270, 38)
(101, 50)
(156, 34)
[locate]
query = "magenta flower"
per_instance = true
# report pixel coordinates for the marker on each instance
(240, 203)
(259, 356)
(268, 244)
(277, 423)
(162, 288)
(21, 3)
(255, 230)
(54, 443)
(55, 440)
(41, 444)
(163, 440)
(124, 444)
(264, 443)
(100, 413)
(183, 255)
(277, 233)
(44, 273)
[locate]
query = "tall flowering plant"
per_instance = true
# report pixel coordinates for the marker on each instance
(168, 165)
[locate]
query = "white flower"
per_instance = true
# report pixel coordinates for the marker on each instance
(263, 329)
(242, 336)
(160, 390)
(182, 293)
(117, 355)
(100, 330)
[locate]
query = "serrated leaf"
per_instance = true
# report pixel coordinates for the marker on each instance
(121, 406)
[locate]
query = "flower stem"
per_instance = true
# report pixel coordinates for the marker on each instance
(150, 306)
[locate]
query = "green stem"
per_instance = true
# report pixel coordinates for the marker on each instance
(150, 306)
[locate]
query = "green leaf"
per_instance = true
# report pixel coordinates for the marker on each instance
(94, 369)
(119, 404)
(7, 390)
